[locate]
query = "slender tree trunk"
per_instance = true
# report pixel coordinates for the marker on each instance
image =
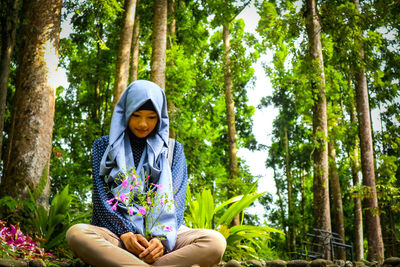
(159, 43)
(98, 83)
(8, 28)
(337, 205)
(385, 235)
(172, 23)
(133, 75)
(171, 42)
(355, 170)
(292, 233)
(124, 50)
(230, 115)
(322, 218)
(303, 199)
(372, 220)
(281, 209)
(30, 146)
(392, 231)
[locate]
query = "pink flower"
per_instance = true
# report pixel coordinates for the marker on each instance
(133, 177)
(114, 207)
(168, 228)
(162, 202)
(125, 183)
(13, 229)
(130, 188)
(148, 200)
(110, 201)
(147, 178)
(130, 211)
(142, 210)
(123, 197)
(159, 186)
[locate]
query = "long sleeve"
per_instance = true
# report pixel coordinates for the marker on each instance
(103, 215)
(179, 180)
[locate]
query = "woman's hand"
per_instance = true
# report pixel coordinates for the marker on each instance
(153, 252)
(135, 243)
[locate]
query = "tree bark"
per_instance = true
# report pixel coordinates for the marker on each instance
(96, 108)
(159, 43)
(372, 220)
(281, 209)
(133, 75)
(230, 116)
(32, 126)
(172, 23)
(322, 218)
(291, 230)
(171, 42)
(337, 205)
(303, 199)
(124, 50)
(8, 29)
(355, 170)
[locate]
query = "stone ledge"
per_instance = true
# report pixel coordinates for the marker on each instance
(389, 262)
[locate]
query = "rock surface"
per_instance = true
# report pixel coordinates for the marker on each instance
(389, 262)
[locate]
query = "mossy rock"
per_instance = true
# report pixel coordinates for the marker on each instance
(298, 263)
(254, 263)
(276, 263)
(233, 263)
(393, 261)
(321, 263)
(359, 264)
(340, 263)
(12, 263)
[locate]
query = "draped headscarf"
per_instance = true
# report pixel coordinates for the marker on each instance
(118, 158)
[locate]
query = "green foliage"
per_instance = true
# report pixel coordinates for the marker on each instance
(52, 225)
(243, 241)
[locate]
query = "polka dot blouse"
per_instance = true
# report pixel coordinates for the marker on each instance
(104, 216)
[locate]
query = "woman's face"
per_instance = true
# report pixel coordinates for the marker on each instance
(142, 122)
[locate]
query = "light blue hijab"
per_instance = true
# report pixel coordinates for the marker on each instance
(118, 157)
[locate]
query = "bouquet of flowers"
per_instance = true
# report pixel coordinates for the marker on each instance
(142, 198)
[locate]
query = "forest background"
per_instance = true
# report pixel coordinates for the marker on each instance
(332, 64)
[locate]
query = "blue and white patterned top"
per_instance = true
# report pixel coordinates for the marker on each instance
(104, 216)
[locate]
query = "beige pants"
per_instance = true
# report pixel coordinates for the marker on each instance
(100, 247)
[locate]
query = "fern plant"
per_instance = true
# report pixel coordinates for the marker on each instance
(52, 226)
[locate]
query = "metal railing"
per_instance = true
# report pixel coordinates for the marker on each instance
(323, 243)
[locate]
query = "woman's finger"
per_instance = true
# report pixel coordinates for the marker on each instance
(154, 251)
(142, 240)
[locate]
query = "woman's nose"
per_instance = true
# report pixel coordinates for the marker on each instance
(143, 122)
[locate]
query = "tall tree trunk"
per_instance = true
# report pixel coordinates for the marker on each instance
(230, 116)
(337, 205)
(372, 220)
(159, 43)
(303, 199)
(124, 50)
(172, 23)
(355, 170)
(133, 74)
(392, 231)
(291, 230)
(96, 108)
(171, 63)
(281, 209)
(32, 127)
(8, 28)
(322, 218)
